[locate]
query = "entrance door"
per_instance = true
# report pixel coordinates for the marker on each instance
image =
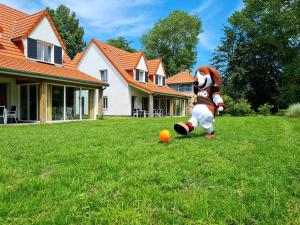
(29, 102)
(133, 104)
(3, 95)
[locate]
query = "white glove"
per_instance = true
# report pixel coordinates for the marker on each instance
(220, 109)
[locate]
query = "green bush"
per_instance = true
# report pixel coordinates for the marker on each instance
(240, 108)
(281, 112)
(265, 109)
(293, 110)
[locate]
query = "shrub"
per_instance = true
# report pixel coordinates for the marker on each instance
(265, 109)
(228, 101)
(293, 110)
(240, 108)
(281, 112)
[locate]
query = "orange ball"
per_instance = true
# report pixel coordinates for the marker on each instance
(165, 135)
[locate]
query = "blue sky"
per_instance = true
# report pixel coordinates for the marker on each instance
(104, 19)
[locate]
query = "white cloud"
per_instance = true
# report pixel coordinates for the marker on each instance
(208, 41)
(101, 17)
(23, 5)
(110, 16)
(203, 7)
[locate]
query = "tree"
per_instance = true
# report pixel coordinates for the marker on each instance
(122, 43)
(69, 29)
(174, 39)
(259, 53)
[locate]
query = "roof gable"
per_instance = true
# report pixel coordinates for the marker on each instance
(12, 55)
(24, 26)
(114, 55)
(142, 64)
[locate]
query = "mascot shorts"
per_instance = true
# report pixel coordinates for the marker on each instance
(203, 116)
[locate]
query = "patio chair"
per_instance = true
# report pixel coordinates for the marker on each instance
(2, 113)
(156, 113)
(161, 112)
(69, 112)
(135, 113)
(12, 114)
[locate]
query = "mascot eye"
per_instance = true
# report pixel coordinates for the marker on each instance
(202, 73)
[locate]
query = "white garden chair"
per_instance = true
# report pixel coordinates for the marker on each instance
(12, 114)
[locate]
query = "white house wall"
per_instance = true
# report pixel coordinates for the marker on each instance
(142, 64)
(44, 32)
(160, 70)
(117, 93)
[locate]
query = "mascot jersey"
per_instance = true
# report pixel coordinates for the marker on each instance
(205, 97)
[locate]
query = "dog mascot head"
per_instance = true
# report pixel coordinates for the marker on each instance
(206, 77)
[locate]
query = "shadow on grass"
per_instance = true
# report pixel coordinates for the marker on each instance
(189, 136)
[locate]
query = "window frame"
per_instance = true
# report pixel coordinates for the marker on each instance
(105, 103)
(44, 45)
(105, 75)
(142, 74)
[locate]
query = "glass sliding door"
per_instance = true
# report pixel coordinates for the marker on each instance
(3, 95)
(72, 103)
(29, 102)
(57, 102)
(179, 107)
(86, 103)
(23, 103)
(69, 103)
(33, 109)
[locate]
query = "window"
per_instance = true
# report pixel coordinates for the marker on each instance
(141, 76)
(43, 52)
(174, 86)
(160, 80)
(145, 103)
(185, 88)
(103, 75)
(105, 102)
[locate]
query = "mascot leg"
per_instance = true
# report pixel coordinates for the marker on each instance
(200, 115)
(206, 120)
(184, 128)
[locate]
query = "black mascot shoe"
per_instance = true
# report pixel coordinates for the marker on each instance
(181, 128)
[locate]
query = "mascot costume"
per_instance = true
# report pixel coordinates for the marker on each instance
(207, 85)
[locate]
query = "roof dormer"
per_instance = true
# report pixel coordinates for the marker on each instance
(141, 71)
(40, 38)
(157, 72)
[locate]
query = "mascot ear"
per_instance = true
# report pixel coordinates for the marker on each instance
(215, 75)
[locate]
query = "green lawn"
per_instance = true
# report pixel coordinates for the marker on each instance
(115, 171)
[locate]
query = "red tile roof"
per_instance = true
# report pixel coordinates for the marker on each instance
(153, 65)
(116, 57)
(1, 29)
(131, 61)
(19, 24)
(77, 58)
(32, 67)
(182, 77)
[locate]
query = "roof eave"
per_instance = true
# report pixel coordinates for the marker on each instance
(50, 77)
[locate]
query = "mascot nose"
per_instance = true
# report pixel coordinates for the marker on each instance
(201, 80)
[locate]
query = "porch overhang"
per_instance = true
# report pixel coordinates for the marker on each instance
(160, 94)
(50, 77)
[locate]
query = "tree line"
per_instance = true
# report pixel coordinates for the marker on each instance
(258, 55)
